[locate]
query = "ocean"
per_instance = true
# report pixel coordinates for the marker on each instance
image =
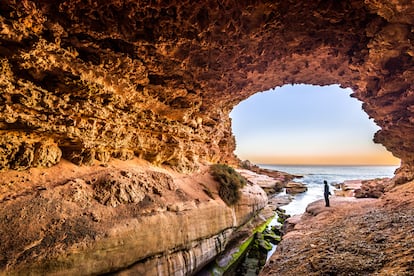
(313, 177)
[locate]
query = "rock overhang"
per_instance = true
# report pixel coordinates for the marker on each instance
(99, 79)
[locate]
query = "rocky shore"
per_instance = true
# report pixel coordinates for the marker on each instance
(372, 188)
(355, 236)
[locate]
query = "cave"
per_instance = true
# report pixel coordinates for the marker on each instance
(95, 82)
(123, 79)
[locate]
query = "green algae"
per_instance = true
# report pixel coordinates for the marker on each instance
(216, 269)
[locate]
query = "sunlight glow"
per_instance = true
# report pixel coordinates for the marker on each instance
(304, 124)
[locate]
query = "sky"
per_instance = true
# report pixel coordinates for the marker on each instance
(306, 125)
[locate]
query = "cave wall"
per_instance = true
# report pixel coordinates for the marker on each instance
(87, 80)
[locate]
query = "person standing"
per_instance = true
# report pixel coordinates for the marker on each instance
(326, 193)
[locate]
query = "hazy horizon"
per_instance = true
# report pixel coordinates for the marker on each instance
(328, 165)
(306, 125)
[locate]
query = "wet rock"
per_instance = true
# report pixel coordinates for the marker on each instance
(279, 200)
(295, 188)
(264, 245)
(281, 215)
(271, 237)
(277, 229)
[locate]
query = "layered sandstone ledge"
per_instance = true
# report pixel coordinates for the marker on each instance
(352, 237)
(127, 217)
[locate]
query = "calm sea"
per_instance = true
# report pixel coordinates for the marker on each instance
(313, 177)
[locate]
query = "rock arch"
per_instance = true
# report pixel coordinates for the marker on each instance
(157, 79)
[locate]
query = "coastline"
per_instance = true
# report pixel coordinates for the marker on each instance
(353, 237)
(109, 230)
(294, 202)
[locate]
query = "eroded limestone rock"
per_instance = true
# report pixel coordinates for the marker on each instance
(119, 187)
(20, 151)
(158, 79)
(353, 236)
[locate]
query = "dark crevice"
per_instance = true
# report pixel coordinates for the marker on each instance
(118, 46)
(20, 126)
(156, 79)
(93, 54)
(395, 66)
(89, 55)
(52, 81)
(11, 47)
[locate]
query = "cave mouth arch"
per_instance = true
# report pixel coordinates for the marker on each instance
(306, 125)
(70, 90)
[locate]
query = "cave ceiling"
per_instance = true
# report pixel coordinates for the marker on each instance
(86, 80)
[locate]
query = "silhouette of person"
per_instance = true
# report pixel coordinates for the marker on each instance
(326, 193)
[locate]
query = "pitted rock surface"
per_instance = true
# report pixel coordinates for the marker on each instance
(119, 187)
(102, 79)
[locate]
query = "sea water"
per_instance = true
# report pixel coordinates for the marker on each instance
(313, 177)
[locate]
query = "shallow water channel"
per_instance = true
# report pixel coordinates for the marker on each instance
(254, 260)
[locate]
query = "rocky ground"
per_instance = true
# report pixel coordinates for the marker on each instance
(124, 216)
(270, 181)
(353, 237)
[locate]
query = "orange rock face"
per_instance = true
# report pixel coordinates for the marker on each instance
(100, 79)
(93, 80)
(129, 218)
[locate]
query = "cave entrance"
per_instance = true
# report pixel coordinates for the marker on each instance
(306, 125)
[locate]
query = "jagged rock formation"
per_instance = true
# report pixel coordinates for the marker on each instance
(93, 80)
(99, 79)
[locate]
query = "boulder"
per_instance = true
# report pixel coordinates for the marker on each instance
(295, 188)
(374, 188)
(268, 183)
